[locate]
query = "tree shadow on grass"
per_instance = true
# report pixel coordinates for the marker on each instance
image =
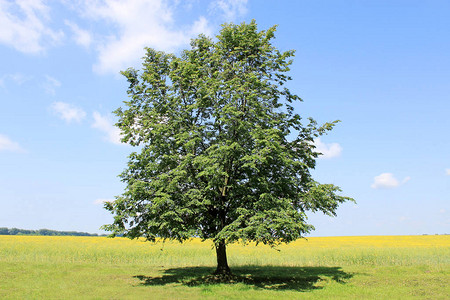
(264, 277)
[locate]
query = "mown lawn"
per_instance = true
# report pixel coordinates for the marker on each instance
(377, 267)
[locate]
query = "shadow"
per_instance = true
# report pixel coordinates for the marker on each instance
(265, 277)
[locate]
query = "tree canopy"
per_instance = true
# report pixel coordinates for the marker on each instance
(221, 153)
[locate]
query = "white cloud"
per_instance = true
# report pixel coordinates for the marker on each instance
(101, 201)
(50, 85)
(104, 123)
(230, 9)
(68, 112)
(17, 78)
(24, 26)
(6, 144)
(387, 181)
(447, 172)
(82, 37)
(136, 24)
(27, 26)
(200, 26)
(406, 179)
(327, 150)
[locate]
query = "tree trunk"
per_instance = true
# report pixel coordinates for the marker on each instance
(222, 263)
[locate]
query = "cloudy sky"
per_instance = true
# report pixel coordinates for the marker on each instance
(381, 67)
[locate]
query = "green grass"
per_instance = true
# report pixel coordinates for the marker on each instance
(321, 268)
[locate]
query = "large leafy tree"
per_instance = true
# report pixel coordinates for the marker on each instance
(222, 154)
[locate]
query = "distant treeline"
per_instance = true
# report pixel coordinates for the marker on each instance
(16, 231)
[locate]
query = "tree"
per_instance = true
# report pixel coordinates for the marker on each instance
(222, 155)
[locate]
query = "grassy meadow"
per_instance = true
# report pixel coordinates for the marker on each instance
(367, 267)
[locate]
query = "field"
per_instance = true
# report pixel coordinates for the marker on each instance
(368, 267)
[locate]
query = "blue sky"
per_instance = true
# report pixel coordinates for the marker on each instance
(381, 67)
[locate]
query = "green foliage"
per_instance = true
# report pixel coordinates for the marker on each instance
(16, 231)
(222, 154)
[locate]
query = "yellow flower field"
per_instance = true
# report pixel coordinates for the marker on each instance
(394, 250)
(369, 267)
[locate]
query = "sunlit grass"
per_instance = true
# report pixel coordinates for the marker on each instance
(42, 267)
